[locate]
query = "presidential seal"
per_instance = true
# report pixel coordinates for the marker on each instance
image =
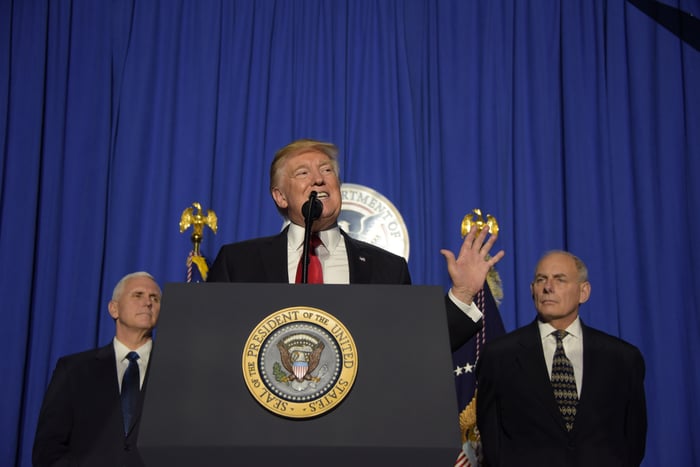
(368, 216)
(299, 362)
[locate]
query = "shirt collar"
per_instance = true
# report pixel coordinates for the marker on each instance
(295, 237)
(120, 350)
(547, 329)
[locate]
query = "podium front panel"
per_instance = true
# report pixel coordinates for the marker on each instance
(401, 410)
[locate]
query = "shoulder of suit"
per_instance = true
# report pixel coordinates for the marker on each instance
(603, 337)
(253, 242)
(87, 355)
(527, 335)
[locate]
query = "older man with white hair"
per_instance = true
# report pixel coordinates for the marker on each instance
(91, 410)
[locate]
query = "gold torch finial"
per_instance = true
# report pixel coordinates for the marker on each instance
(198, 221)
(469, 222)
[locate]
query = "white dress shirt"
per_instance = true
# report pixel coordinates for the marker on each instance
(332, 254)
(120, 352)
(573, 347)
(334, 262)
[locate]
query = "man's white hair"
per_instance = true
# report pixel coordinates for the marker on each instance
(119, 288)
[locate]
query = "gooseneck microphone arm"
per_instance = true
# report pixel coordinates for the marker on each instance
(311, 210)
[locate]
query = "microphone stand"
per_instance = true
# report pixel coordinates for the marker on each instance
(311, 210)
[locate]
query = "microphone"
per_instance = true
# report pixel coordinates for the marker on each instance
(312, 208)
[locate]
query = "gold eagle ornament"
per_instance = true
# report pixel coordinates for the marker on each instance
(193, 216)
(470, 222)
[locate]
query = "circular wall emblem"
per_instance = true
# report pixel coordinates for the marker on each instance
(299, 362)
(368, 216)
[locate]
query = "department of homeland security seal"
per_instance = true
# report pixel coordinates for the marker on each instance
(299, 362)
(368, 216)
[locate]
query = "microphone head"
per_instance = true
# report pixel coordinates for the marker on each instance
(316, 208)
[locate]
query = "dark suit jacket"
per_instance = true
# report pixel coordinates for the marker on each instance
(80, 423)
(519, 419)
(265, 260)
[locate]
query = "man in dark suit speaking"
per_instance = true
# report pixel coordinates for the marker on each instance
(307, 166)
(557, 393)
(91, 411)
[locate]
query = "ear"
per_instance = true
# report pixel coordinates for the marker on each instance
(280, 199)
(584, 292)
(532, 291)
(113, 309)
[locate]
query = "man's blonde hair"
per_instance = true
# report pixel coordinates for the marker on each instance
(298, 147)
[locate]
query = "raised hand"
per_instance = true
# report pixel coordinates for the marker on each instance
(469, 269)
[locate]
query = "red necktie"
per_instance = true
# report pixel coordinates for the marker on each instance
(314, 274)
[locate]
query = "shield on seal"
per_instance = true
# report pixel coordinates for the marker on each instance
(300, 369)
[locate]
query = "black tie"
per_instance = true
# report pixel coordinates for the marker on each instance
(563, 381)
(130, 390)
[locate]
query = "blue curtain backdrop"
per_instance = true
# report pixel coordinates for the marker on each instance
(576, 124)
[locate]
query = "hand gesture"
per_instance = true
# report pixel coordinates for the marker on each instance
(468, 271)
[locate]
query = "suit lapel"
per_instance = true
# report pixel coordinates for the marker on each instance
(106, 380)
(594, 381)
(107, 369)
(274, 258)
(359, 265)
(139, 410)
(532, 363)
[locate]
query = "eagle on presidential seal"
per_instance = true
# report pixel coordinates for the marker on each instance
(300, 355)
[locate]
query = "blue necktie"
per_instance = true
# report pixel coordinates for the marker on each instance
(130, 390)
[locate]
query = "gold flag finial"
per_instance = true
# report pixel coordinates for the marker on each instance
(190, 217)
(469, 222)
(478, 222)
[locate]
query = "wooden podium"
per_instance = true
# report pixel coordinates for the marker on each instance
(401, 411)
